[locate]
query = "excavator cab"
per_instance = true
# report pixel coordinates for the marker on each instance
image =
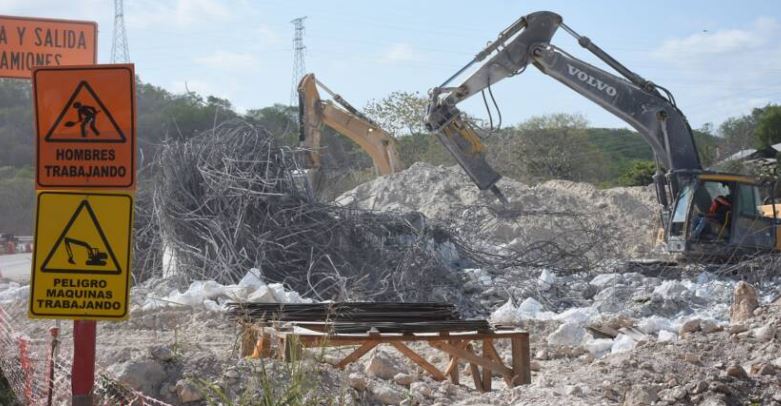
(721, 216)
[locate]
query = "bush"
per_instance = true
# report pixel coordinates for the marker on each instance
(640, 173)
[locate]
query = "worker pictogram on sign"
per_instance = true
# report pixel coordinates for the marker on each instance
(82, 246)
(84, 118)
(81, 259)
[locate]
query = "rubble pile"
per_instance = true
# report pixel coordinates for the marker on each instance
(567, 213)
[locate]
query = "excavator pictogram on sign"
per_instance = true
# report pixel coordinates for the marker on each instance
(94, 253)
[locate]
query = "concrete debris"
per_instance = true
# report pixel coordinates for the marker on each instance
(665, 335)
(546, 280)
(357, 381)
(568, 334)
(736, 371)
(766, 332)
(403, 379)
(689, 326)
(144, 375)
(383, 365)
(188, 392)
(744, 303)
(386, 393)
(623, 343)
(641, 395)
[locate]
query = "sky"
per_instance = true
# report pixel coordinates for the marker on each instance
(719, 58)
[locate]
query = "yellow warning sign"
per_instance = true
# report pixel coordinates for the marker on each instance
(94, 254)
(81, 263)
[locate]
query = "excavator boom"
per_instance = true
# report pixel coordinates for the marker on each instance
(346, 120)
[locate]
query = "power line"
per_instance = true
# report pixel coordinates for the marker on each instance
(119, 47)
(299, 65)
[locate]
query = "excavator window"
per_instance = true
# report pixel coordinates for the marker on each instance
(681, 211)
(712, 209)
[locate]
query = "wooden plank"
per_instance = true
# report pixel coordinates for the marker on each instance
(452, 367)
(412, 355)
(357, 339)
(262, 347)
(496, 357)
(487, 375)
(358, 353)
(521, 360)
(476, 376)
(249, 338)
(461, 353)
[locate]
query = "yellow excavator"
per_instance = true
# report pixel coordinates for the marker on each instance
(342, 117)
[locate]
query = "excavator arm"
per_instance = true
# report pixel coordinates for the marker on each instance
(346, 120)
(629, 97)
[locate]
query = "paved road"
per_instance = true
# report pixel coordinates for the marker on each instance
(16, 267)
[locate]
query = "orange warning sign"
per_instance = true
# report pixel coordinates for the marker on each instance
(85, 123)
(27, 43)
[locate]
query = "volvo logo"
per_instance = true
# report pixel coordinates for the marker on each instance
(591, 81)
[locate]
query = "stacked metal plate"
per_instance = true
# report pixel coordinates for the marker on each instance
(361, 317)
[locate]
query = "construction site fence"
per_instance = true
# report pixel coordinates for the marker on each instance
(37, 367)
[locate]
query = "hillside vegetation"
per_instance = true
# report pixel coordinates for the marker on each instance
(556, 146)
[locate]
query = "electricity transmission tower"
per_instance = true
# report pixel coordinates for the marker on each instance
(299, 66)
(119, 51)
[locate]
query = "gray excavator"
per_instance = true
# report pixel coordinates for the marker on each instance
(704, 214)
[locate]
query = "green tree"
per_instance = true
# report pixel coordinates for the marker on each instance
(17, 199)
(737, 133)
(768, 130)
(640, 173)
(554, 146)
(280, 120)
(400, 113)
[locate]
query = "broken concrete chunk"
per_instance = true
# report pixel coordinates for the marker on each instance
(161, 353)
(386, 393)
(641, 395)
(403, 379)
(382, 365)
(689, 326)
(568, 334)
(357, 381)
(187, 391)
(744, 302)
(709, 326)
(766, 332)
(665, 336)
(737, 372)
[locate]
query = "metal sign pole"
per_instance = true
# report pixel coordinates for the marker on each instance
(83, 372)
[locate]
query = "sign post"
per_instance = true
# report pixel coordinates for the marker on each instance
(85, 176)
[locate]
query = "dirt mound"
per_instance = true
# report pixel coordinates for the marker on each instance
(567, 213)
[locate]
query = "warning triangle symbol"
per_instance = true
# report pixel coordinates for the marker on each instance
(82, 247)
(84, 118)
